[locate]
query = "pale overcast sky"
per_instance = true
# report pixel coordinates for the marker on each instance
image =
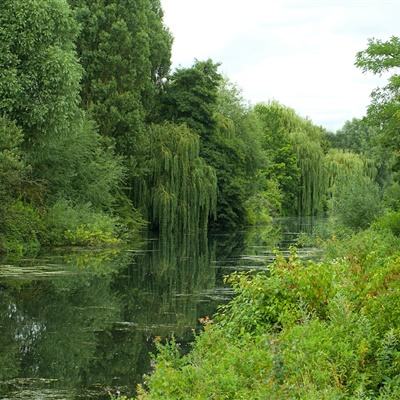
(299, 52)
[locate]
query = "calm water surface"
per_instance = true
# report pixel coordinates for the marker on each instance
(82, 324)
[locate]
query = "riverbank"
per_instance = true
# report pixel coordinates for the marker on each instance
(306, 330)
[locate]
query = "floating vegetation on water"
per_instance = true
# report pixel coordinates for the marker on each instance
(33, 272)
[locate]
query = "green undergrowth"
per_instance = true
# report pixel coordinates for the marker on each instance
(27, 229)
(299, 330)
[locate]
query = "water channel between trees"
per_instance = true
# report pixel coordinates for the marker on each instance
(78, 325)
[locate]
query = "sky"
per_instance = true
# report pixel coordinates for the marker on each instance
(298, 52)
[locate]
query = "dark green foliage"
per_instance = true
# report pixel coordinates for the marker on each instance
(21, 228)
(11, 165)
(229, 134)
(39, 91)
(60, 144)
(391, 196)
(125, 52)
(234, 150)
(191, 96)
(39, 72)
(178, 191)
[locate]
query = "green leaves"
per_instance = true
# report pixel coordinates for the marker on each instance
(178, 190)
(384, 110)
(299, 331)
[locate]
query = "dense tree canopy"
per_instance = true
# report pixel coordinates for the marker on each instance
(125, 51)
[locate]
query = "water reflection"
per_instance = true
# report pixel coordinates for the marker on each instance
(85, 322)
(81, 324)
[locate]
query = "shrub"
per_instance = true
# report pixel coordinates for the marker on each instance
(79, 225)
(356, 202)
(21, 229)
(390, 222)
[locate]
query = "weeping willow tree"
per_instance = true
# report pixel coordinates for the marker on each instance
(310, 159)
(294, 147)
(341, 165)
(178, 191)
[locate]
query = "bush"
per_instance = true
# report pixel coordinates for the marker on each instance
(356, 202)
(79, 225)
(391, 196)
(21, 229)
(390, 222)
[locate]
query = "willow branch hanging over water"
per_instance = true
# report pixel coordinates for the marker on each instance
(178, 191)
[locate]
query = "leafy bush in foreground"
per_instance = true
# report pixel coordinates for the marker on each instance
(327, 330)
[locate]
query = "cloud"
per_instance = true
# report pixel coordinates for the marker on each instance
(300, 52)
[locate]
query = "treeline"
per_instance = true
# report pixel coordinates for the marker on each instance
(98, 138)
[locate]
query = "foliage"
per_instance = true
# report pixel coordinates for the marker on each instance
(391, 196)
(390, 221)
(234, 150)
(264, 204)
(362, 137)
(300, 330)
(383, 112)
(21, 229)
(356, 202)
(11, 164)
(356, 136)
(78, 225)
(282, 162)
(125, 52)
(39, 93)
(178, 192)
(229, 134)
(295, 150)
(191, 96)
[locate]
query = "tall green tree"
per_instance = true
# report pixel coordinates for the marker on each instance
(282, 162)
(229, 134)
(39, 90)
(356, 136)
(234, 150)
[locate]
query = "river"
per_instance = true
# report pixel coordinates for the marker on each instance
(80, 324)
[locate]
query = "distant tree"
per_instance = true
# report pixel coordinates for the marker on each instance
(282, 161)
(235, 151)
(295, 149)
(356, 136)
